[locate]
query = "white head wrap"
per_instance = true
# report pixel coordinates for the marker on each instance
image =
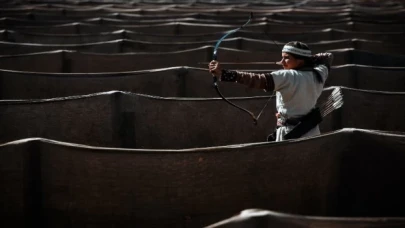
(297, 51)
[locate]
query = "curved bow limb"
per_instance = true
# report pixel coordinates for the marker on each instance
(215, 79)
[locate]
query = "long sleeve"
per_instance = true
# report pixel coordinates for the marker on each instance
(252, 80)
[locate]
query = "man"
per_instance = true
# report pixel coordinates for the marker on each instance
(298, 86)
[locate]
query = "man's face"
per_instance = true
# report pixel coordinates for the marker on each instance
(289, 62)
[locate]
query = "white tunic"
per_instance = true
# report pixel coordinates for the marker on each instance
(297, 93)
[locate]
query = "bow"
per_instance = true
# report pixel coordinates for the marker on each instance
(215, 79)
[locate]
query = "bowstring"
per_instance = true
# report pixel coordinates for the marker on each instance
(274, 92)
(279, 47)
(214, 57)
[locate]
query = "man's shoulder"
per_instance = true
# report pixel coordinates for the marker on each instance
(322, 69)
(284, 72)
